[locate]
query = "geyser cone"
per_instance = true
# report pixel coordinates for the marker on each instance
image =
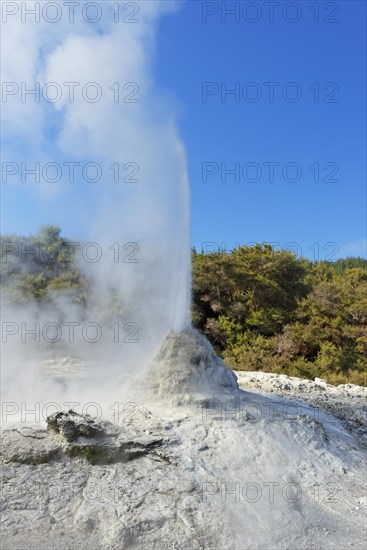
(187, 366)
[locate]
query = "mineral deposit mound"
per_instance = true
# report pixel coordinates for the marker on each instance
(186, 366)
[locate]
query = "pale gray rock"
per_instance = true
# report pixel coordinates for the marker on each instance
(186, 368)
(347, 402)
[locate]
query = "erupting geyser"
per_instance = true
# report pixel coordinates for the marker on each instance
(135, 215)
(249, 471)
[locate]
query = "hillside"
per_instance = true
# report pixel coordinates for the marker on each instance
(263, 310)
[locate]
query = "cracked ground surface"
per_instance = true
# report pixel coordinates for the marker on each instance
(208, 466)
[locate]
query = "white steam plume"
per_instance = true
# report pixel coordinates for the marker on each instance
(136, 127)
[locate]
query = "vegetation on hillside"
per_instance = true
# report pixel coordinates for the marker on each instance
(262, 309)
(266, 310)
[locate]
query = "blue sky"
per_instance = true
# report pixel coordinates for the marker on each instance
(324, 130)
(305, 132)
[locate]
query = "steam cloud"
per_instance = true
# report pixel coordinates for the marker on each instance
(131, 123)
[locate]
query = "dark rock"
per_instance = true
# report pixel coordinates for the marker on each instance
(72, 425)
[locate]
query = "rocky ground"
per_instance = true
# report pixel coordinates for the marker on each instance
(347, 402)
(201, 464)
